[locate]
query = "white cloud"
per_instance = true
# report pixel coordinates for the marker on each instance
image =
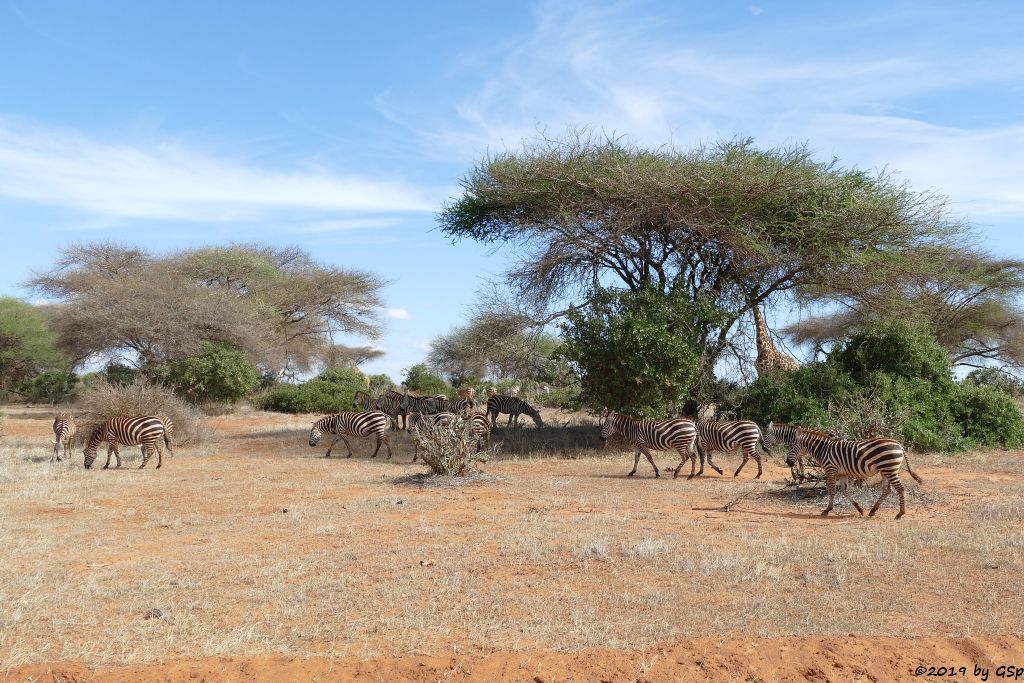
(617, 71)
(345, 224)
(170, 180)
(398, 314)
(755, 9)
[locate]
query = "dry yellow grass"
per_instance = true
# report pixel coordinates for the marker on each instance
(255, 544)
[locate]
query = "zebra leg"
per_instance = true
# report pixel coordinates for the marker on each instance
(494, 419)
(110, 449)
(746, 457)
(885, 494)
(56, 451)
(901, 492)
(711, 463)
(347, 446)
(636, 461)
(147, 453)
(757, 458)
(830, 487)
(846, 494)
(650, 459)
(384, 440)
(159, 455)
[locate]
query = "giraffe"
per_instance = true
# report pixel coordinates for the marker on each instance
(769, 358)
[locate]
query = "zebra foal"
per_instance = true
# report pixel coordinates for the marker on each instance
(371, 423)
(146, 431)
(842, 460)
(658, 435)
(64, 430)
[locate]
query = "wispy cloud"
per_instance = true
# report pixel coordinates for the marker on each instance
(170, 180)
(398, 314)
(617, 70)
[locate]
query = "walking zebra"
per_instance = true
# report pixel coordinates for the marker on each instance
(146, 431)
(370, 423)
(391, 403)
(725, 437)
(362, 400)
(64, 429)
(842, 460)
(514, 407)
(660, 435)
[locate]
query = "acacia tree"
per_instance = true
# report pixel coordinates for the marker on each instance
(966, 299)
(27, 346)
(730, 224)
(497, 348)
(279, 305)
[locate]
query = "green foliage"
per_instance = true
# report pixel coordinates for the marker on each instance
(119, 374)
(419, 379)
(996, 379)
(380, 383)
(636, 352)
(53, 386)
(330, 392)
(222, 373)
(892, 379)
(989, 416)
(27, 346)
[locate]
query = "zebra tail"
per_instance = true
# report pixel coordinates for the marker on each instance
(906, 461)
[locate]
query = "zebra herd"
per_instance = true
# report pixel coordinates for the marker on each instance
(373, 417)
(841, 460)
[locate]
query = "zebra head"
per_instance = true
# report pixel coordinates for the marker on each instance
(608, 428)
(533, 413)
(91, 446)
(315, 435)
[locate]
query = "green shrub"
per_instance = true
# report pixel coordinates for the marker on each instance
(996, 379)
(221, 373)
(53, 386)
(896, 348)
(119, 374)
(330, 392)
(987, 416)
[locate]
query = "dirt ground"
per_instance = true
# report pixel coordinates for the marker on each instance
(252, 558)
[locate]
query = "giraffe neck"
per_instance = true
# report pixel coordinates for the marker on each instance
(764, 340)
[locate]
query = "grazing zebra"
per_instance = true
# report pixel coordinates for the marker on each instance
(726, 437)
(842, 460)
(392, 404)
(64, 429)
(427, 421)
(514, 407)
(370, 423)
(146, 431)
(481, 429)
(363, 401)
(659, 435)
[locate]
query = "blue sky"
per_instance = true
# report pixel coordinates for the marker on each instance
(343, 127)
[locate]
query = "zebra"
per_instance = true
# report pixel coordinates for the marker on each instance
(660, 435)
(480, 427)
(64, 430)
(370, 423)
(843, 459)
(468, 393)
(514, 407)
(780, 432)
(425, 405)
(392, 403)
(362, 400)
(725, 437)
(146, 431)
(461, 406)
(427, 421)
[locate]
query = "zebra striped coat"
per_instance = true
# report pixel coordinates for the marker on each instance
(713, 437)
(785, 434)
(842, 460)
(371, 423)
(363, 401)
(64, 430)
(391, 403)
(459, 406)
(514, 407)
(146, 431)
(659, 435)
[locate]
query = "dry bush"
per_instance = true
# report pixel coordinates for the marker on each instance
(450, 449)
(866, 415)
(105, 400)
